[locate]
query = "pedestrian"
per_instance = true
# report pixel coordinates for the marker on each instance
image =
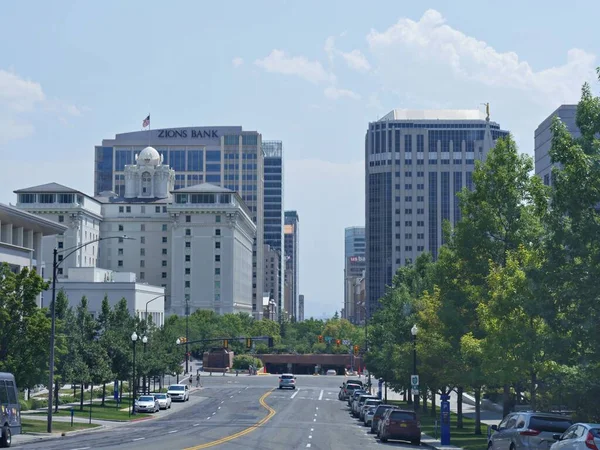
(197, 380)
(190, 380)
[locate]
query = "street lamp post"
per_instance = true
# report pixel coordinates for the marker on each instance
(134, 338)
(145, 341)
(187, 331)
(149, 301)
(55, 265)
(414, 330)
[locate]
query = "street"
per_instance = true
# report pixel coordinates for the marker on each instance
(239, 412)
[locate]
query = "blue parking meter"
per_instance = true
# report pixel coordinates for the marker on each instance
(116, 390)
(445, 420)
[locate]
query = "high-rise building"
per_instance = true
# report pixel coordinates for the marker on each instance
(194, 242)
(225, 156)
(416, 162)
(354, 267)
(272, 272)
(273, 209)
(543, 140)
(292, 239)
(300, 307)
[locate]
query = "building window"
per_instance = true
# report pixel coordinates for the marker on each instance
(217, 258)
(408, 223)
(217, 245)
(164, 251)
(60, 244)
(146, 182)
(60, 257)
(420, 236)
(188, 244)
(120, 227)
(408, 248)
(420, 248)
(218, 219)
(188, 258)
(421, 223)
(217, 271)
(143, 209)
(420, 210)
(142, 275)
(188, 232)
(187, 284)
(420, 198)
(164, 239)
(143, 240)
(408, 211)
(164, 263)
(61, 219)
(164, 274)
(60, 270)
(157, 209)
(407, 235)
(142, 263)
(143, 227)
(408, 198)
(188, 219)
(188, 271)
(408, 186)
(121, 209)
(120, 263)
(164, 227)
(120, 240)
(120, 251)
(218, 231)
(128, 209)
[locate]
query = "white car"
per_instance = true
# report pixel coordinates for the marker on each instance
(331, 372)
(179, 392)
(147, 403)
(164, 400)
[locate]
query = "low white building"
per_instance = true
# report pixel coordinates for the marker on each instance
(195, 243)
(96, 283)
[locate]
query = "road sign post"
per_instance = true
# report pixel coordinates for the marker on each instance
(414, 384)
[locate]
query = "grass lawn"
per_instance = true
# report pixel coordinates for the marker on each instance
(39, 426)
(464, 438)
(108, 412)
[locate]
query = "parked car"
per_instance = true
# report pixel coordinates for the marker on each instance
(10, 409)
(579, 436)
(368, 415)
(400, 424)
(164, 400)
(179, 392)
(287, 380)
(527, 430)
(347, 389)
(368, 403)
(358, 402)
(331, 372)
(355, 394)
(147, 403)
(377, 416)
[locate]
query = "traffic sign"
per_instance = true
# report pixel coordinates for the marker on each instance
(414, 392)
(346, 341)
(414, 381)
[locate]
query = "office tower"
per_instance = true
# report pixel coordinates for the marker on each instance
(225, 156)
(354, 267)
(273, 209)
(272, 267)
(543, 140)
(416, 162)
(292, 239)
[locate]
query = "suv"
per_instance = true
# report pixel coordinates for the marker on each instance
(287, 380)
(400, 424)
(347, 389)
(179, 392)
(527, 430)
(354, 394)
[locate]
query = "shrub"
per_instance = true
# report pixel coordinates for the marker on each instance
(243, 362)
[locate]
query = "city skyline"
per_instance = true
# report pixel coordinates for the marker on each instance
(64, 89)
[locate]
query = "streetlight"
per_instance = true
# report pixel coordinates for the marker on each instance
(149, 301)
(55, 264)
(187, 331)
(414, 330)
(145, 341)
(134, 338)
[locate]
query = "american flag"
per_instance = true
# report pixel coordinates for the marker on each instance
(146, 122)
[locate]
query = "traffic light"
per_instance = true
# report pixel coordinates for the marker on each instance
(320, 339)
(356, 349)
(248, 342)
(338, 342)
(225, 343)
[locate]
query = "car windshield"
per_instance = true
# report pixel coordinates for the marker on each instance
(402, 415)
(146, 398)
(287, 377)
(176, 387)
(382, 408)
(161, 396)
(551, 424)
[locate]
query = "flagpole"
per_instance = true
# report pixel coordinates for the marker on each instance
(149, 128)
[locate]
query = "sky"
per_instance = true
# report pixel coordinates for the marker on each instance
(312, 74)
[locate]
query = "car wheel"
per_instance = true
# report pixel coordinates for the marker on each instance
(383, 439)
(6, 437)
(416, 442)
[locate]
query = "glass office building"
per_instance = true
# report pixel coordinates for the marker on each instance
(416, 162)
(225, 156)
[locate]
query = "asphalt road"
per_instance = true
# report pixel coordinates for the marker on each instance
(240, 413)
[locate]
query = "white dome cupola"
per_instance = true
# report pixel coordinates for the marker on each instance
(149, 157)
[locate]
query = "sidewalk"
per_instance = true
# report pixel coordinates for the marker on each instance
(488, 417)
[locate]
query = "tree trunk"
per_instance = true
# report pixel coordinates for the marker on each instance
(56, 389)
(478, 410)
(120, 391)
(533, 390)
(103, 393)
(506, 401)
(433, 395)
(424, 391)
(459, 411)
(81, 398)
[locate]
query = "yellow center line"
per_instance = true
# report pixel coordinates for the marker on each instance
(248, 430)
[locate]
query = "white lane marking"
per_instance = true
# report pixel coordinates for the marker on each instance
(246, 387)
(308, 445)
(173, 431)
(294, 394)
(219, 407)
(138, 439)
(315, 414)
(208, 418)
(314, 420)
(317, 407)
(214, 413)
(321, 395)
(312, 429)
(222, 402)
(81, 448)
(310, 437)
(196, 424)
(231, 396)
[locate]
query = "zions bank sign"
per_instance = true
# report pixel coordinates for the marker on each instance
(191, 133)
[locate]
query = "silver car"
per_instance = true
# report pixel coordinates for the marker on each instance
(580, 436)
(147, 403)
(287, 380)
(164, 400)
(369, 414)
(368, 403)
(528, 430)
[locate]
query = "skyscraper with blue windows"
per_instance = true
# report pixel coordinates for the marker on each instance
(416, 162)
(225, 156)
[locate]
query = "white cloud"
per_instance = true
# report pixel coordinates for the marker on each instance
(278, 62)
(336, 93)
(17, 94)
(237, 61)
(474, 60)
(356, 60)
(330, 48)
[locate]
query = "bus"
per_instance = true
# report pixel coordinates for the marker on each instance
(10, 409)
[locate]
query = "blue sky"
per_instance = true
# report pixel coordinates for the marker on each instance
(310, 73)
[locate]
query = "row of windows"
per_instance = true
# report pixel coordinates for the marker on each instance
(409, 223)
(480, 125)
(421, 162)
